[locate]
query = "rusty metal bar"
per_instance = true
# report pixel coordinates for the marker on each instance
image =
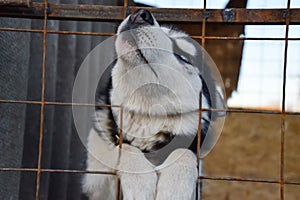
(118, 191)
(42, 115)
(55, 103)
(249, 180)
(232, 110)
(240, 38)
(21, 3)
(58, 32)
(113, 34)
(199, 131)
(240, 179)
(283, 115)
(10, 169)
(118, 194)
(116, 13)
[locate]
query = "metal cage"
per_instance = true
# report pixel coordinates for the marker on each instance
(37, 160)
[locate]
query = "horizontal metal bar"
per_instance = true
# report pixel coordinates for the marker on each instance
(115, 13)
(24, 3)
(242, 15)
(231, 110)
(57, 32)
(113, 34)
(238, 179)
(10, 169)
(248, 180)
(58, 103)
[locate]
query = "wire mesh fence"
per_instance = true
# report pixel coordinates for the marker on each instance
(44, 164)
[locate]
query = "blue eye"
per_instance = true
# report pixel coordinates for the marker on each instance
(184, 59)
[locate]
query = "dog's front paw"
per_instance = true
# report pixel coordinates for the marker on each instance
(178, 176)
(137, 175)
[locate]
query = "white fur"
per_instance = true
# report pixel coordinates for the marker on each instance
(137, 175)
(101, 157)
(177, 181)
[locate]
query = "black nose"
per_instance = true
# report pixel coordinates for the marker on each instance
(142, 17)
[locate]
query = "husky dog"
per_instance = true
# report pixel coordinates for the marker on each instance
(160, 80)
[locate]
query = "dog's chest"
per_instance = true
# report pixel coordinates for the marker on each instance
(147, 132)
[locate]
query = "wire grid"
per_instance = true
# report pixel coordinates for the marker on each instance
(283, 113)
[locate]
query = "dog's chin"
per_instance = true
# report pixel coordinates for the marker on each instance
(124, 45)
(126, 52)
(129, 53)
(128, 62)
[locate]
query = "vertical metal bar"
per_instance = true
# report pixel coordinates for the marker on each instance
(198, 195)
(118, 191)
(121, 127)
(203, 25)
(120, 152)
(125, 5)
(283, 114)
(118, 196)
(198, 145)
(38, 177)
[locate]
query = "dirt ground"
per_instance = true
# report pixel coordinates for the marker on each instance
(249, 147)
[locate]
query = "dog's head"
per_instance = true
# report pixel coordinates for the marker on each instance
(156, 65)
(141, 34)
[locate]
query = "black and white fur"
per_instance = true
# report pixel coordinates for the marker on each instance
(156, 81)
